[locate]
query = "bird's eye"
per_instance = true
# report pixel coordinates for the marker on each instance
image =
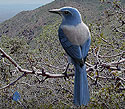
(66, 12)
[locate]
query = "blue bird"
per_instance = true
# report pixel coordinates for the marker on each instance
(75, 38)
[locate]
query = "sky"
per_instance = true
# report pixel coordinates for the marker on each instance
(9, 8)
(8, 2)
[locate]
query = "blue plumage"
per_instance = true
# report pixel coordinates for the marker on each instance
(75, 38)
(73, 51)
(81, 91)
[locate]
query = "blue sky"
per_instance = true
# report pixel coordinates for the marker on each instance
(7, 2)
(9, 8)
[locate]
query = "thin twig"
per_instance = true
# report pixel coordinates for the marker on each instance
(43, 73)
(111, 55)
(47, 74)
(12, 83)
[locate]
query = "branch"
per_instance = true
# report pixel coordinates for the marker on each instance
(12, 83)
(43, 73)
(13, 62)
(47, 74)
(111, 78)
(112, 55)
(110, 66)
(118, 62)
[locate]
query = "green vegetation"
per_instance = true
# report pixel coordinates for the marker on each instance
(38, 46)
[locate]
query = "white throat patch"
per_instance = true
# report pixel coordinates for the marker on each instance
(77, 35)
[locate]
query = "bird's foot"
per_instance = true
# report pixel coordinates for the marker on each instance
(65, 72)
(65, 75)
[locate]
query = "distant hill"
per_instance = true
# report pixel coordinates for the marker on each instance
(30, 23)
(9, 10)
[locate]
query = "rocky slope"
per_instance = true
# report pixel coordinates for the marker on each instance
(30, 23)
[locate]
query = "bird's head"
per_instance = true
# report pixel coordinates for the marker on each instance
(70, 15)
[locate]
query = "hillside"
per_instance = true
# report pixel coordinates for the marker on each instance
(30, 23)
(10, 10)
(40, 51)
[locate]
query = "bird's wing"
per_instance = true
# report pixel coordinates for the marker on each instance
(85, 48)
(74, 51)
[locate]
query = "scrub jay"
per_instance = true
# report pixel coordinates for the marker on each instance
(75, 38)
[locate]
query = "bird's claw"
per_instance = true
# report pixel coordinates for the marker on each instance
(65, 76)
(65, 72)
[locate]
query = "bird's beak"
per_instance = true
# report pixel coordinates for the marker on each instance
(56, 11)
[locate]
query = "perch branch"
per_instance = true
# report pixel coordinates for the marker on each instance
(37, 72)
(46, 74)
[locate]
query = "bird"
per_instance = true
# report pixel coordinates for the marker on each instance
(75, 38)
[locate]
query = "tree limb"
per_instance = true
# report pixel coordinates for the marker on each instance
(47, 74)
(43, 73)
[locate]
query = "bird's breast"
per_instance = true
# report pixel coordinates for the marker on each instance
(78, 34)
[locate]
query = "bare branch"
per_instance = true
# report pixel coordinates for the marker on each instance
(27, 84)
(49, 65)
(12, 83)
(110, 78)
(10, 59)
(118, 62)
(47, 75)
(43, 73)
(111, 55)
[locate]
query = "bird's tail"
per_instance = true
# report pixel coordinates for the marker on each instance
(81, 91)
